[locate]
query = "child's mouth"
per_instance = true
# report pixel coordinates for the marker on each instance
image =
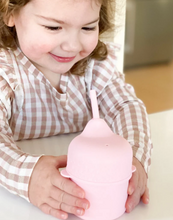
(62, 59)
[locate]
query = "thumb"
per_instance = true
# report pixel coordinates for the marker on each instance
(145, 196)
(61, 161)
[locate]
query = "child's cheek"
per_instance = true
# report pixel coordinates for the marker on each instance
(37, 50)
(89, 47)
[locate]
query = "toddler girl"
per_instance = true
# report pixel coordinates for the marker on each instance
(50, 58)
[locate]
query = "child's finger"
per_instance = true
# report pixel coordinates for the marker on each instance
(133, 200)
(67, 186)
(63, 206)
(145, 196)
(54, 212)
(133, 182)
(62, 197)
(61, 161)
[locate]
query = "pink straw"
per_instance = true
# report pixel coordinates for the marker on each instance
(94, 104)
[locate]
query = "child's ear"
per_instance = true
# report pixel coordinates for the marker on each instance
(9, 21)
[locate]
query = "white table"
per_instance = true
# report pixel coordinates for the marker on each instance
(160, 176)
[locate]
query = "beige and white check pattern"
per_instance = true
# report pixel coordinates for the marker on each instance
(31, 108)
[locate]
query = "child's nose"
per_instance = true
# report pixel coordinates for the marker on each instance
(72, 43)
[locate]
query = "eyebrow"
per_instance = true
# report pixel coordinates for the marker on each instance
(62, 22)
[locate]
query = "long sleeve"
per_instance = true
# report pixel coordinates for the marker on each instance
(127, 116)
(15, 166)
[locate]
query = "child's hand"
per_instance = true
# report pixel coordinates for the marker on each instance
(52, 193)
(137, 189)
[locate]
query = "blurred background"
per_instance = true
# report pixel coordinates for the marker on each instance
(148, 52)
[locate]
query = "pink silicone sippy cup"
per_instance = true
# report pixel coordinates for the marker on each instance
(100, 162)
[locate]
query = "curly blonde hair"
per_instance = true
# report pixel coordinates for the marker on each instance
(8, 36)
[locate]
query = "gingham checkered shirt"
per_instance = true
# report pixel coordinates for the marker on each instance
(30, 107)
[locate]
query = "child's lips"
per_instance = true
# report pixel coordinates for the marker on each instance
(62, 59)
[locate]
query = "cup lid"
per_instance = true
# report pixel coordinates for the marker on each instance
(99, 158)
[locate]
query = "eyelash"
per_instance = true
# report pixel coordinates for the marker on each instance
(89, 28)
(52, 28)
(58, 28)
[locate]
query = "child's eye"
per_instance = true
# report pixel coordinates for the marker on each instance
(89, 28)
(52, 28)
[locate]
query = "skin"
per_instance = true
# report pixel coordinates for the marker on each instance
(54, 35)
(137, 189)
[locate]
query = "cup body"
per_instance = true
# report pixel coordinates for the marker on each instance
(107, 201)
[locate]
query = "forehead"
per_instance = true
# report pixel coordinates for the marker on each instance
(63, 4)
(77, 8)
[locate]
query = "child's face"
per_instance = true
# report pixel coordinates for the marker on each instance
(56, 34)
